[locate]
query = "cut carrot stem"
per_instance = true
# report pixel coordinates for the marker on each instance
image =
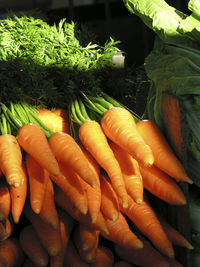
(18, 197)
(144, 217)
(33, 140)
(130, 171)
(109, 199)
(64, 202)
(95, 141)
(11, 160)
(161, 185)
(164, 157)
(32, 246)
(68, 151)
(120, 127)
(104, 257)
(5, 200)
(120, 233)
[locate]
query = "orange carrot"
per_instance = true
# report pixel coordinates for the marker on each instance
(49, 237)
(162, 186)
(32, 246)
(18, 197)
(122, 263)
(37, 177)
(95, 141)
(120, 233)
(109, 199)
(144, 217)
(104, 257)
(130, 171)
(33, 140)
(64, 202)
(67, 150)
(174, 235)
(11, 160)
(11, 253)
(5, 200)
(52, 120)
(48, 211)
(6, 229)
(147, 256)
(93, 194)
(120, 127)
(70, 183)
(66, 224)
(164, 157)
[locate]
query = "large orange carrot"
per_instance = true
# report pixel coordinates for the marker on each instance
(109, 199)
(48, 210)
(37, 177)
(162, 186)
(66, 224)
(67, 150)
(11, 160)
(63, 201)
(32, 246)
(130, 171)
(164, 157)
(49, 237)
(6, 229)
(120, 233)
(95, 141)
(120, 127)
(70, 184)
(144, 217)
(33, 140)
(52, 120)
(104, 257)
(18, 198)
(5, 200)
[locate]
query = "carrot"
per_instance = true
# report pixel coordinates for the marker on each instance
(70, 183)
(120, 233)
(120, 127)
(32, 246)
(130, 171)
(66, 223)
(18, 197)
(95, 141)
(52, 120)
(48, 211)
(144, 217)
(11, 253)
(37, 177)
(109, 199)
(67, 150)
(5, 200)
(6, 229)
(104, 257)
(49, 237)
(122, 263)
(164, 158)
(174, 235)
(11, 160)
(162, 186)
(147, 256)
(33, 140)
(64, 202)
(93, 194)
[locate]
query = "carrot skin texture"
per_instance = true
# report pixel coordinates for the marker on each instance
(130, 171)
(162, 186)
(67, 150)
(5, 200)
(95, 141)
(144, 217)
(11, 160)
(104, 257)
(32, 246)
(6, 229)
(120, 127)
(33, 140)
(164, 158)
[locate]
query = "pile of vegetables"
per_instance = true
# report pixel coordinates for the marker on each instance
(78, 168)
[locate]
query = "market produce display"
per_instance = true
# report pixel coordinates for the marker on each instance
(77, 167)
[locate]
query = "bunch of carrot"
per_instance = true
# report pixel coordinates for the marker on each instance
(77, 193)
